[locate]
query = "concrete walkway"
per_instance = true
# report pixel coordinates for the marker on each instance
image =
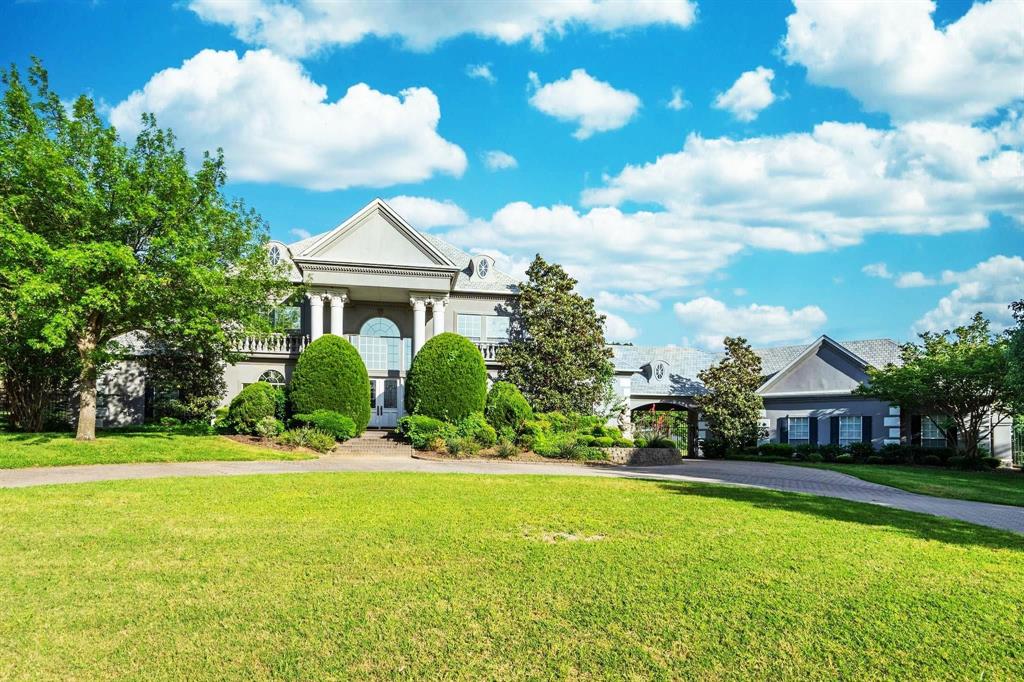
(754, 474)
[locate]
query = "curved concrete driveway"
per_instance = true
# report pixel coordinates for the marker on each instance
(755, 474)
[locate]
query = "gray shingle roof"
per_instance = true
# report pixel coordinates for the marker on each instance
(685, 363)
(497, 282)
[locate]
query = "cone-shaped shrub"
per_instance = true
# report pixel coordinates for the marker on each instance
(447, 380)
(330, 375)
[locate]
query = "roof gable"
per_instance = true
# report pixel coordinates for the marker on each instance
(824, 366)
(375, 235)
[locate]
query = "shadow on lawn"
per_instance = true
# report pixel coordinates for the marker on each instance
(922, 526)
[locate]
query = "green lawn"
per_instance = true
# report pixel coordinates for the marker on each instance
(19, 450)
(1001, 487)
(320, 576)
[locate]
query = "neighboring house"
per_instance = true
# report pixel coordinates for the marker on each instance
(807, 392)
(387, 288)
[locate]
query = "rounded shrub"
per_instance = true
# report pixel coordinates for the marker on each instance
(330, 375)
(447, 379)
(603, 441)
(506, 407)
(846, 458)
(475, 426)
(254, 403)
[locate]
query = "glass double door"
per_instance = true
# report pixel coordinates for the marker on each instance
(384, 403)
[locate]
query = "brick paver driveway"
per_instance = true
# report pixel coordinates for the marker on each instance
(756, 474)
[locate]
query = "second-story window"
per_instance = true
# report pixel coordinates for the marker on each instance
(470, 326)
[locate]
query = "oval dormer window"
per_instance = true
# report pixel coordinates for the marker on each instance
(482, 268)
(274, 255)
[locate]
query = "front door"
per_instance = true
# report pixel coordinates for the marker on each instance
(384, 403)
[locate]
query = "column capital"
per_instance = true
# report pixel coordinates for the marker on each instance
(339, 299)
(418, 302)
(441, 301)
(315, 297)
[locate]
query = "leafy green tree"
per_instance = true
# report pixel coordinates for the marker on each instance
(732, 406)
(556, 352)
(959, 374)
(126, 238)
(1015, 356)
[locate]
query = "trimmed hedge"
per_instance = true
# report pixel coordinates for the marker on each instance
(330, 375)
(254, 403)
(447, 379)
(507, 408)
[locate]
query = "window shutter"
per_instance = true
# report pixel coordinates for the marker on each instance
(951, 437)
(783, 429)
(865, 429)
(915, 429)
(812, 426)
(833, 430)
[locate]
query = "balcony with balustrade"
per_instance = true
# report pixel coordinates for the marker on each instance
(381, 354)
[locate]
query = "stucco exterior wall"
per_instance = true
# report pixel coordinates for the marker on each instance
(823, 408)
(249, 371)
(826, 370)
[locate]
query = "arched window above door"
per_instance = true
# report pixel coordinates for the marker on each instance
(272, 377)
(380, 326)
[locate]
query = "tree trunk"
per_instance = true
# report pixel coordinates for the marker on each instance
(87, 344)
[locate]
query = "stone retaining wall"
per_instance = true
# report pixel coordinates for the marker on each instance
(644, 456)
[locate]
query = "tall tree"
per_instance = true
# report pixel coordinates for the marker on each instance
(957, 374)
(732, 406)
(556, 352)
(1015, 355)
(127, 237)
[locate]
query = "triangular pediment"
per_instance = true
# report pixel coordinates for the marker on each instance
(824, 367)
(376, 235)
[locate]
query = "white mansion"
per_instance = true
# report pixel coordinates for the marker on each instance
(387, 288)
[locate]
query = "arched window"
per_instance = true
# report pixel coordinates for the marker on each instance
(380, 326)
(272, 377)
(379, 342)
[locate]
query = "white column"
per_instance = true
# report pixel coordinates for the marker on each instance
(337, 313)
(419, 323)
(316, 316)
(439, 304)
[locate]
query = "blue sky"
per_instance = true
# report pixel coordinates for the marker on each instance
(770, 169)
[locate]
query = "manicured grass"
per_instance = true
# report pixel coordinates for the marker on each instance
(1000, 487)
(339, 576)
(19, 450)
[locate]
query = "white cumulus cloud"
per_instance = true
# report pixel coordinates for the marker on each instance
(424, 213)
(909, 280)
(634, 303)
(827, 188)
(595, 106)
(617, 329)
(276, 125)
(989, 287)
(495, 160)
(482, 72)
(711, 321)
(308, 26)
(880, 270)
(749, 95)
(678, 102)
(893, 58)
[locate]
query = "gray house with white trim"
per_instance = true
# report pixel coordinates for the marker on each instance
(386, 287)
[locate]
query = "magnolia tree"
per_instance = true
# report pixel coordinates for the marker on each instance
(556, 352)
(959, 374)
(732, 406)
(119, 238)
